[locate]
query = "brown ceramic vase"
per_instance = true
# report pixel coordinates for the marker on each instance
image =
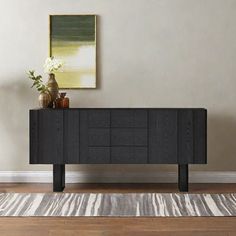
(44, 100)
(52, 88)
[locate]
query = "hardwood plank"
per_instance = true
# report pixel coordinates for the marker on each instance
(24, 232)
(118, 187)
(149, 224)
(80, 233)
(131, 233)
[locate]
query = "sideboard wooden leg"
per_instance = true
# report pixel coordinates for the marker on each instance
(183, 178)
(58, 178)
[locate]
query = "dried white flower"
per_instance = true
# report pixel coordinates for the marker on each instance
(52, 64)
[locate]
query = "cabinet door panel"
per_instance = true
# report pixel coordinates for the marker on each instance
(163, 136)
(128, 155)
(185, 136)
(50, 136)
(128, 137)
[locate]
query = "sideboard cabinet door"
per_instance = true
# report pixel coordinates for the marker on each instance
(177, 136)
(54, 136)
(46, 135)
(163, 136)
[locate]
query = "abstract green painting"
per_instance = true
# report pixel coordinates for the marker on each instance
(73, 40)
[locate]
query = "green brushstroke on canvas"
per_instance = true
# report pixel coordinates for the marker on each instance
(73, 28)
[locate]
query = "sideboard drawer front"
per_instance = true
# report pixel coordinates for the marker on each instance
(128, 155)
(98, 137)
(98, 118)
(128, 137)
(96, 155)
(129, 118)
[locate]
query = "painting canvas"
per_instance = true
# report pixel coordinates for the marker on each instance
(73, 40)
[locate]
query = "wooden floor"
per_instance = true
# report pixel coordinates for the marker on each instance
(69, 226)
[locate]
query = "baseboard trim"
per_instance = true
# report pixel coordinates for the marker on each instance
(115, 177)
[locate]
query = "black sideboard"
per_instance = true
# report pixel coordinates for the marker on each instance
(118, 136)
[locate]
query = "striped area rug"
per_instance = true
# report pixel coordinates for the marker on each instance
(117, 205)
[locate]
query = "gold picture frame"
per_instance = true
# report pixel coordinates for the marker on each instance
(72, 38)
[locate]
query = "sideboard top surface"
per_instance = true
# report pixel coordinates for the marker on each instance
(124, 108)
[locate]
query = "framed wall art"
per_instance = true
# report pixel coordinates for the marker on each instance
(73, 40)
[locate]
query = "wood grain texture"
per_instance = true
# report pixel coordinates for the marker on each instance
(196, 226)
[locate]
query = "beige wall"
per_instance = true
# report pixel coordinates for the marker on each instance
(151, 53)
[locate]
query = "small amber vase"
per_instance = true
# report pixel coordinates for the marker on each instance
(62, 101)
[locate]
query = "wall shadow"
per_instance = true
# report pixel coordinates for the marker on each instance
(16, 100)
(221, 142)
